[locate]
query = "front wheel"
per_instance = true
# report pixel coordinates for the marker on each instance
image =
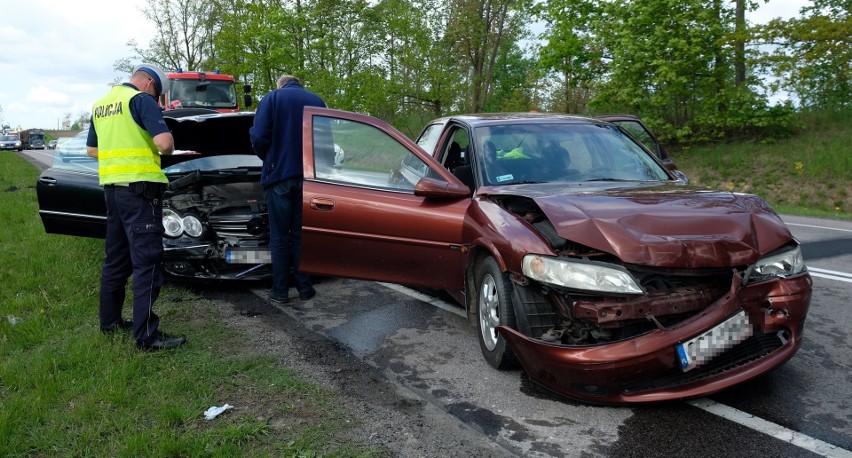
(494, 304)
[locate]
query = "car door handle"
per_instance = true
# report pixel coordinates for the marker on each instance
(322, 204)
(48, 181)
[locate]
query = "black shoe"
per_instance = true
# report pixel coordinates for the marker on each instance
(122, 325)
(163, 342)
(306, 296)
(278, 300)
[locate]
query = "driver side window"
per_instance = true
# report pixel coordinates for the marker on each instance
(351, 153)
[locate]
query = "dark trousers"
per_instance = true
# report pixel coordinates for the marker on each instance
(284, 201)
(134, 246)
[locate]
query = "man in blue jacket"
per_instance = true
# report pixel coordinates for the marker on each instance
(276, 137)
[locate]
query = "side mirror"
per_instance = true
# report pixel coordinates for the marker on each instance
(680, 176)
(247, 100)
(430, 187)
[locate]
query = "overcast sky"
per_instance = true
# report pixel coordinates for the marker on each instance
(57, 57)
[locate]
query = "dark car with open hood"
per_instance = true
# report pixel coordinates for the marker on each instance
(576, 246)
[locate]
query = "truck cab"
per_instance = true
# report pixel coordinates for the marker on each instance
(208, 90)
(34, 139)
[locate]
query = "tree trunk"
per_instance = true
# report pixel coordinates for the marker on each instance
(739, 45)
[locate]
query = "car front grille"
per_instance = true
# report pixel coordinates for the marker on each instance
(754, 348)
(245, 226)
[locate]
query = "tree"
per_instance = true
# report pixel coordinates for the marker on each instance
(570, 53)
(812, 55)
(669, 61)
(423, 76)
(686, 66)
(261, 39)
(479, 29)
(184, 39)
(82, 120)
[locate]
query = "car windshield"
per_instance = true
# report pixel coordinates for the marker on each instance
(191, 94)
(562, 152)
(225, 162)
(9, 138)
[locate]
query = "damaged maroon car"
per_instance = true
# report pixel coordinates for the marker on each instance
(576, 246)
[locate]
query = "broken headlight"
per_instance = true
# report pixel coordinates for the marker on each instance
(175, 225)
(776, 265)
(580, 275)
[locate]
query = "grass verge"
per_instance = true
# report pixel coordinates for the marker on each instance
(68, 390)
(808, 175)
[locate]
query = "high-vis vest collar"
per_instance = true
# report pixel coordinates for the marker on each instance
(126, 152)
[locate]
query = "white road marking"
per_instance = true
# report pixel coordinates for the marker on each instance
(441, 304)
(818, 227)
(830, 274)
(729, 413)
(771, 429)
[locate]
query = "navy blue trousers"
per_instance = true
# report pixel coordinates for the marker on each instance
(284, 202)
(134, 246)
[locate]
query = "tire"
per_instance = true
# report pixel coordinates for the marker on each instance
(494, 308)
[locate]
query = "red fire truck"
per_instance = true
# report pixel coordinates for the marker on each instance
(209, 90)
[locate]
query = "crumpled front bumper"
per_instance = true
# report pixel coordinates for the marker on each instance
(647, 369)
(203, 261)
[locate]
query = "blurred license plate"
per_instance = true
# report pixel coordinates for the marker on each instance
(714, 342)
(247, 256)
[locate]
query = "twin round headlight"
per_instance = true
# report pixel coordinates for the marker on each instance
(175, 225)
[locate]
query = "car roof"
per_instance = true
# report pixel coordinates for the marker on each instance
(483, 119)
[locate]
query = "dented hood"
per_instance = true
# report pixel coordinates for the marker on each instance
(664, 225)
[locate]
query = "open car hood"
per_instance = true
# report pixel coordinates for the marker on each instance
(209, 135)
(666, 225)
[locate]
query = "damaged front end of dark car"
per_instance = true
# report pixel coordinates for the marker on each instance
(653, 294)
(596, 266)
(215, 219)
(214, 212)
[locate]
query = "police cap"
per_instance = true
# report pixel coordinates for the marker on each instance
(156, 73)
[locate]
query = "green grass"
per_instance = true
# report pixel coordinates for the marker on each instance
(809, 174)
(68, 390)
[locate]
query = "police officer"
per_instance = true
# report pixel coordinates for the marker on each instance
(127, 135)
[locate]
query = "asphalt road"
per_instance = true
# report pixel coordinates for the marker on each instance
(425, 345)
(427, 348)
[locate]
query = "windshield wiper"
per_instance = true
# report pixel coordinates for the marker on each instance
(236, 170)
(608, 179)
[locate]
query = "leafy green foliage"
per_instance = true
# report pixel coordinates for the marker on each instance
(693, 69)
(812, 55)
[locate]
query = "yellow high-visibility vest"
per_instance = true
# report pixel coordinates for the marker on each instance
(126, 152)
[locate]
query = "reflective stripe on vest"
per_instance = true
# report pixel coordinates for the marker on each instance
(126, 152)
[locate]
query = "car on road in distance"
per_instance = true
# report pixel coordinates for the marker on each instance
(74, 148)
(51, 144)
(11, 142)
(578, 253)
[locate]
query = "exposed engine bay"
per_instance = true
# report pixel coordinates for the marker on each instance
(230, 206)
